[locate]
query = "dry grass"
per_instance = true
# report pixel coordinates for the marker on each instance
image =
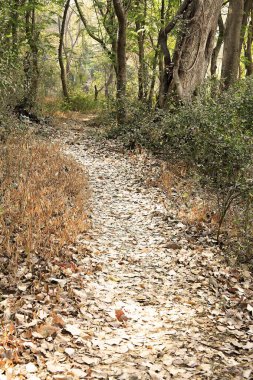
(43, 200)
(199, 207)
(196, 206)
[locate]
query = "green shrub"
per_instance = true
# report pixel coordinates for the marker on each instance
(83, 103)
(214, 133)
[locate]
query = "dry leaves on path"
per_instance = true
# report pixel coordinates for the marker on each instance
(148, 300)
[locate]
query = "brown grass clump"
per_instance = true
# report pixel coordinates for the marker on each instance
(196, 206)
(43, 200)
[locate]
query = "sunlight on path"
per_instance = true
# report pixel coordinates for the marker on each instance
(164, 294)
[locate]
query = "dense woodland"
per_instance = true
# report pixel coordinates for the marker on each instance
(154, 99)
(153, 51)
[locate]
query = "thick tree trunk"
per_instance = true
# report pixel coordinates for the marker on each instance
(216, 50)
(232, 45)
(121, 60)
(60, 52)
(195, 46)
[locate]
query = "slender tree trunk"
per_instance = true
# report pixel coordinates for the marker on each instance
(248, 4)
(166, 67)
(153, 77)
(14, 25)
(60, 52)
(232, 41)
(141, 68)
(96, 92)
(141, 34)
(31, 66)
(216, 50)
(108, 82)
(248, 49)
(161, 94)
(121, 60)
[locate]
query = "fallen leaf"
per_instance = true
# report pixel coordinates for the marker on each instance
(120, 315)
(248, 346)
(22, 287)
(57, 320)
(70, 351)
(73, 330)
(31, 368)
(44, 331)
(54, 367)
(247, 373)
(114, 278)
(90, 360)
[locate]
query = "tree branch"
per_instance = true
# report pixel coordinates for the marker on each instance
(90, 33)
(119, 10)
(175, 19)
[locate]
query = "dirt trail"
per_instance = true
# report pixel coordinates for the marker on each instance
(144, 296)
(178, 324)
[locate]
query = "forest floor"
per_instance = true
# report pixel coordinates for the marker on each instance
(152, 298)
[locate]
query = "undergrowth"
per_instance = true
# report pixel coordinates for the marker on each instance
(213, 135)
(78, 102)
(43, 201)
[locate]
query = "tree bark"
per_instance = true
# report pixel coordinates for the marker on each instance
(60, 52)
(14, 25)
(141, 34)
(232, 45)
(31, 66)
(153, 77)
(248, 4)
(121, 60)
(167, 70)
(108, 82)
(248, 49)
(194, 46)
(165, 73)
(216, 50)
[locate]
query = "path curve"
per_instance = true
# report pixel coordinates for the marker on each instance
(173, 321)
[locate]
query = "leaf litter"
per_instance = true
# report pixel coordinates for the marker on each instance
(141, 297)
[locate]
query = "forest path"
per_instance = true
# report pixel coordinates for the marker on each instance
(152, 307)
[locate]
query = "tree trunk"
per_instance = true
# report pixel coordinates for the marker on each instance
(60, 52)
(248, 4)
(96, 92)
(141, 34)
(141, 68)
(14, 25)
(248, 49)
(216, 50)
(108, 82)
(165, 67)
(153, 77)
(232, 48)
(121, 60)
(31, 66)
(194, 46)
